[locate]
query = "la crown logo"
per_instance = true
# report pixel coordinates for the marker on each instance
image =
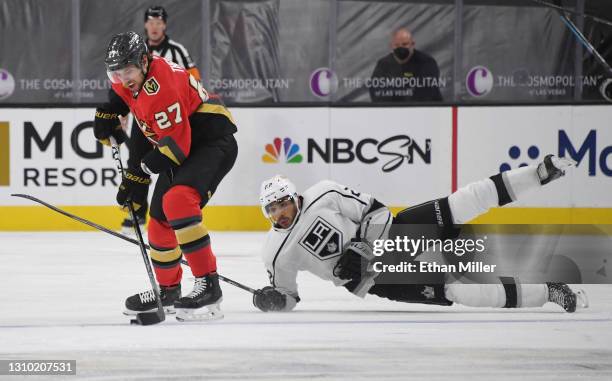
(282, 150)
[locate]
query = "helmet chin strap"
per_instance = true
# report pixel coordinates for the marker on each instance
(144, 70)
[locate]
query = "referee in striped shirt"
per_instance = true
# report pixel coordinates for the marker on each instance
(155, 22)
(161, 45)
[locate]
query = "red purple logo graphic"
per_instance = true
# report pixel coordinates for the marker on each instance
(7, 84)
(283, 149)
(479, 81)
(323, 82)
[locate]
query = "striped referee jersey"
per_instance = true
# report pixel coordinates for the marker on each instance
(176, 53)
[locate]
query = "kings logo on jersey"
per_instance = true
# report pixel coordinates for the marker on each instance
(151, 87)
(322, 240)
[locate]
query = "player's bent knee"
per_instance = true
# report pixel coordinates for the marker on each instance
(181, 201)
(160, 233)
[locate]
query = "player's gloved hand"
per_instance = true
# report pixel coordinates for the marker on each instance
(553, 167)
(134, 186)
(349, 265)
(156, 162)
(107, 124)
(269, 299)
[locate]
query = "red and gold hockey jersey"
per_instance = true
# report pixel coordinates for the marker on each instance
(164, 105)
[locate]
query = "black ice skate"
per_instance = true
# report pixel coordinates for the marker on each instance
(145, 301)
(127, 226)
(561, 294)
(203, 303)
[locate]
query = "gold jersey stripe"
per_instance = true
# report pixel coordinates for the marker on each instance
(166, 151)
(166, 255)
(191, 233)
(216, 109)
(169, 148)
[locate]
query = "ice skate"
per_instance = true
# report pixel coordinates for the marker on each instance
(203, 303)
(145, 301)
(553, 168)
(561, 294)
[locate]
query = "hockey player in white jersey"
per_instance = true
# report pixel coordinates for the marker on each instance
(325, 231)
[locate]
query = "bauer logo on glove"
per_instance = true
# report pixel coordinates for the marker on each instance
(133, 187)
(107, 124)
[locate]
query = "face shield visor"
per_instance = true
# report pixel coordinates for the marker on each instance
(274, 208)
(127, 74)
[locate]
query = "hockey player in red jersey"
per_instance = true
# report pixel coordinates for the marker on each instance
(192, 148)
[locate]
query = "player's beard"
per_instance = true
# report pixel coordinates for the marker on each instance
(284, 222)
(133, 85)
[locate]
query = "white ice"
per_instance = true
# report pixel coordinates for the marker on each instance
(62, 295)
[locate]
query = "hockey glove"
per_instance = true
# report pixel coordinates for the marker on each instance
(552, 168)
(349, 264)
(107, 124)
(156, 162)
(269, 299)
(134, 187)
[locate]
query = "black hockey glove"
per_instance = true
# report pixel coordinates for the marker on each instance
(134, 186)
(349, 265)
(156, 162)
(269, 299)
(107, 124)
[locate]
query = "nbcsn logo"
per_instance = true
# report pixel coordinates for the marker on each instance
(282, 150)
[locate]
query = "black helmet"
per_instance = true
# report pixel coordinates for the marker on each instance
(124, 49)
(156, 11)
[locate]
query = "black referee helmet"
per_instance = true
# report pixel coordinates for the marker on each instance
(156, 11)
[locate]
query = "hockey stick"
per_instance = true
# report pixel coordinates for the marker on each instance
(118, 235)
(584, 41)
(567, 10)
(142, 318)
(606, 86)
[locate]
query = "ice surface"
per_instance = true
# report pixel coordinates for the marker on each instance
(62, 295)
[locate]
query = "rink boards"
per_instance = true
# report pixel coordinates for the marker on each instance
(403, 156)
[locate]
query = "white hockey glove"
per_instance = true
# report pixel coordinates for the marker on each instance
(553, 167)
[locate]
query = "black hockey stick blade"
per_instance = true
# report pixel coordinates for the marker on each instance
(148, 318)
(118, 235)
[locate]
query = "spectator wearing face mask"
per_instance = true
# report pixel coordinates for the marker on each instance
(406, 74)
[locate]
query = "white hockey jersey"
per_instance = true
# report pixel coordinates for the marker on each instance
(331, 215)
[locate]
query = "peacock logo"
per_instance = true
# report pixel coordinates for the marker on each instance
(282, 149)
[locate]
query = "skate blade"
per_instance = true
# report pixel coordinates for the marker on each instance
(582, 300)
(206, 313)
(168, 309)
